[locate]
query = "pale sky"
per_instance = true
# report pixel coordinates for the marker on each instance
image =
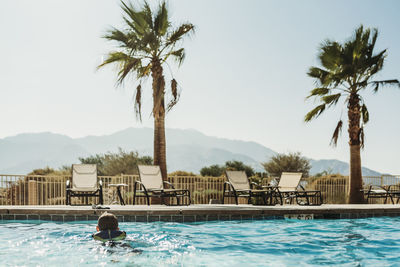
(244, 76)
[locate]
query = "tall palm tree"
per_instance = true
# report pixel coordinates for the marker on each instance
(347, 70)
(145, 43)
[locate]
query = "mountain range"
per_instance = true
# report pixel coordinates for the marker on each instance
(187, 150)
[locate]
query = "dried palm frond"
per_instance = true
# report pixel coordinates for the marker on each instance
(175, 95)
(336, 133)
(138, 102)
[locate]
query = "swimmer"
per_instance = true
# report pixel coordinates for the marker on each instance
(108, 232)
(107, 228)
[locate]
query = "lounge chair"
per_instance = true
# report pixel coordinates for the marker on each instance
(84, 183)
(152, 185)
(376, 191)
(238, 185)
(288, 189)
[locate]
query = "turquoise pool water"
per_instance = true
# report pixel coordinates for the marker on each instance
(361, 242)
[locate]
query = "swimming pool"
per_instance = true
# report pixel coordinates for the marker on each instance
(359, 242)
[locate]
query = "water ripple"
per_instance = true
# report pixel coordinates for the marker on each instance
(372, 241)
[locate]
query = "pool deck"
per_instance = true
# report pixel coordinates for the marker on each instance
(194, 213)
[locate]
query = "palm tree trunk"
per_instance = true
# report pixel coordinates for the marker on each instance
(160, 145)
(159, 117)
(355, 193)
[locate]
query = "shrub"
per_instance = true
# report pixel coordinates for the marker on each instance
(292, 162)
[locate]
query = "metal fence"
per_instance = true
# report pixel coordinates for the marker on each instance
(50, 190)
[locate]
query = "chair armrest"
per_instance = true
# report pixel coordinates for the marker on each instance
(230, 186)
(169, 184)
(255, 184)
(140, 185)
(379, 187)
(302, 187)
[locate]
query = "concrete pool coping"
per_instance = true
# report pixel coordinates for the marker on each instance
(195, 213)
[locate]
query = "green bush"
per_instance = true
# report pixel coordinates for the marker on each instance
(292, 162)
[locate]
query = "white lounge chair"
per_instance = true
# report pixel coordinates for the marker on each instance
(288, 189)
(84, 183)
(152, 185)
(238, 185)
(376, 191)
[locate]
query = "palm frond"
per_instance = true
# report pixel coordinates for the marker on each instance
(114, 57)
(161, 22)
(330, 55)
(138, 102)
(178, 55)
(373, 42)
(178, 33)
(129, 65)
(144, 71)
(151, 40)
(320, 91)
(314, 113)
(331, 99)
(385, 82)
(148, 14)
(116, 35)
(175, 95)
(137, 19)
(336, 133)
(319, 74)
(364, 114)
(125, 63)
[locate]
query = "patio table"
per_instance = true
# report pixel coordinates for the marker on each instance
(117, 192)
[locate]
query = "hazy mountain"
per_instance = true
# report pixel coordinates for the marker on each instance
(22, 153)
(188, 150)
(337, 166)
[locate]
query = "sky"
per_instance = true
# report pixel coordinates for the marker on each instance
(244, 76)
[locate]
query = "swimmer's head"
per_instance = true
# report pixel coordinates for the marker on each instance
(107, 221)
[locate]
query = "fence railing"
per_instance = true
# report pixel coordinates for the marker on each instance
(50, 190)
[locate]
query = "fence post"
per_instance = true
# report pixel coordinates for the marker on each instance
(32, 193)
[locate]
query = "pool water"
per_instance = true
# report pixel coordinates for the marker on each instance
(360, 242)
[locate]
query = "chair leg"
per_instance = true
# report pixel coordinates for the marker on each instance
(121, 200)
(249, 201)
(236, 199)
(264, 198)
(307, 199)
(101, 197)
(391, 198)
(280, 198)
(148, 199)
(223, 198)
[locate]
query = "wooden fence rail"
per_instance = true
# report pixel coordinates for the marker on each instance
(50, 190)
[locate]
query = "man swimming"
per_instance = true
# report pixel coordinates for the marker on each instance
(107, 228)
